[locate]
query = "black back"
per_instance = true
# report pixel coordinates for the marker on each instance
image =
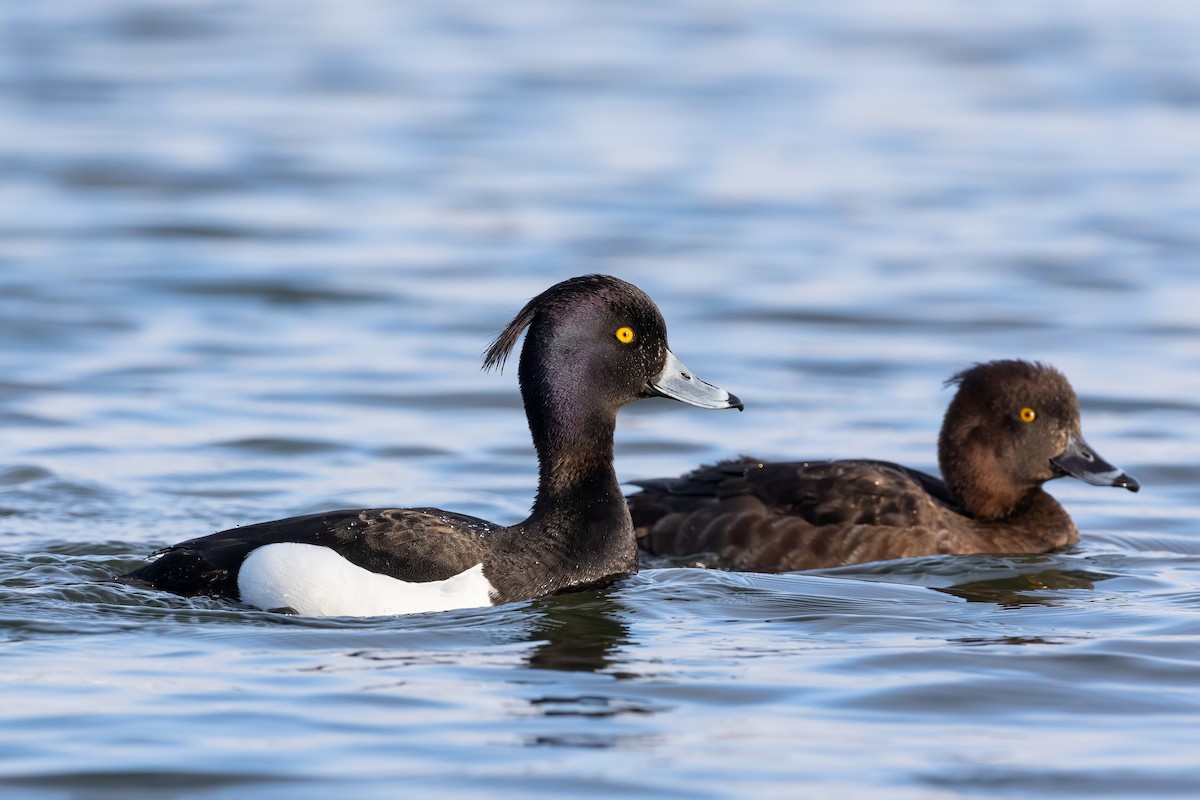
(409, 544)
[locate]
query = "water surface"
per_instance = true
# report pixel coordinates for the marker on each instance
(250, 255)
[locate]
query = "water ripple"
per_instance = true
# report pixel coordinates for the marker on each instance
(250, 257)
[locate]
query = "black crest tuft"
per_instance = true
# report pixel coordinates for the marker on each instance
(497, 353)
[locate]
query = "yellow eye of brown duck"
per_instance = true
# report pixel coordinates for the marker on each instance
(624, 335)
(1028, 414)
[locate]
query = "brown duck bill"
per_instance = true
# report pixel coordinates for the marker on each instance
(679, 383)
(1080, 461)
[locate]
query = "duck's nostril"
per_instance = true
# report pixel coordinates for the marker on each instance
(686, 376)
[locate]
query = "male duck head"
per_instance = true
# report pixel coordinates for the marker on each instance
(1012, 426)
(597, 341)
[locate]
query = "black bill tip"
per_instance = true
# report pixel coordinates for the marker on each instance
(1080, 461)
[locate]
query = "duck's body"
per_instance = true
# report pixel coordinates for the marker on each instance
(594, 344)
(782, 516)
(772, 517)
(354, 562)
(391, 561)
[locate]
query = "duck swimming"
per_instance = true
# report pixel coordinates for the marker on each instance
(594, 344)
(1012, 426)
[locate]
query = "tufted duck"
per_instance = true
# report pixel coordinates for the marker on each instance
(1011, 427)
(594, 344)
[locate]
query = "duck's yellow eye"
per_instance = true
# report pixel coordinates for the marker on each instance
(625, 335)
(1028, 414)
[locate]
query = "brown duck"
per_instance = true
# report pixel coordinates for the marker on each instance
(1012, 426)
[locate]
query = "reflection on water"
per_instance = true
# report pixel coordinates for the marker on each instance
(251, 253)
(1026, 589)
(577, 633)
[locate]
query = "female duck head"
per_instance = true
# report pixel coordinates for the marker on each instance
(596, 343)
(1012, 426)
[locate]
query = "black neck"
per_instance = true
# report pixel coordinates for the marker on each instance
(579, 532)
(575, 462)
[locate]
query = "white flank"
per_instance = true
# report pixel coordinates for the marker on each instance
(316, 581)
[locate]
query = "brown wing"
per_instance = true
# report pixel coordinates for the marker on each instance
(849, 492)
(796, 515)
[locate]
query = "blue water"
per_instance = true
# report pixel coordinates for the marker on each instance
(250, 254)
